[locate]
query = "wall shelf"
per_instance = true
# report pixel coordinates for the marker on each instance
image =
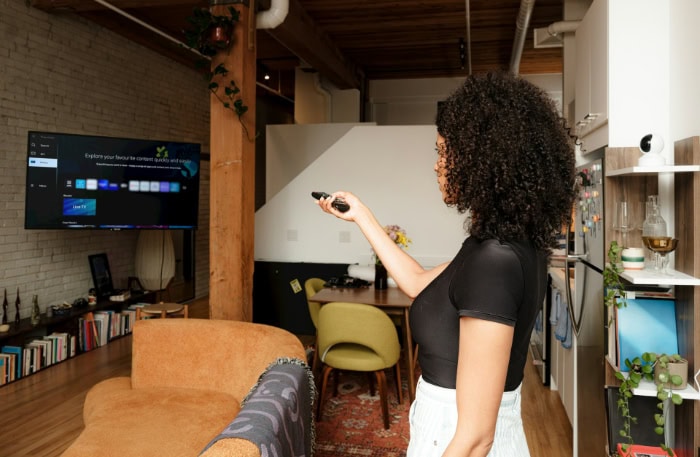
(648, 388)
(643, 171)
(650, 277)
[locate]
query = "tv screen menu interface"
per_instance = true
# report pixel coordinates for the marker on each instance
(80, 181)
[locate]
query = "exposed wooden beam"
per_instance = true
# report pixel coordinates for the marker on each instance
(79, 6)
(300, 34)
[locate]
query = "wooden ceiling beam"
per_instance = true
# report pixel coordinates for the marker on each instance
(300, 34)
(81, 6)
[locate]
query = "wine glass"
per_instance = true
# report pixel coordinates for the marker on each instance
(661, 246)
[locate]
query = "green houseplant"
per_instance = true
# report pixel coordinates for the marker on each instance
(655, 368)
(614, 289)
(210, 34)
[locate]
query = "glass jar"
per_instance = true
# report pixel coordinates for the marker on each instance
(36, 312)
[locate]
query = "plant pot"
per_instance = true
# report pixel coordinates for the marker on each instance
(674, 368)
(220, 36)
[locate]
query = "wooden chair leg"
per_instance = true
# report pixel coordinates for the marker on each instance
(324, 384)
(381, 381)
(399, 390)
(336, 381)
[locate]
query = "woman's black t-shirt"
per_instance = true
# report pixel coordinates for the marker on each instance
(497, 281)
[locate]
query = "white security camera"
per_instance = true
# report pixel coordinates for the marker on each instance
(651, 146)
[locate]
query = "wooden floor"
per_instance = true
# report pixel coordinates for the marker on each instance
(42, 414)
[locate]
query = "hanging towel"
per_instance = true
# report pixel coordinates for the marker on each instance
(559, 318)
(554, 312)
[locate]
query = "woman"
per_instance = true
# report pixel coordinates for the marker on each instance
(505, 157)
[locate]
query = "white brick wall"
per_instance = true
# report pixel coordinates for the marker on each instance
(61, 73)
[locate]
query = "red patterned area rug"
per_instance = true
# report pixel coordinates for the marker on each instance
(351, 424)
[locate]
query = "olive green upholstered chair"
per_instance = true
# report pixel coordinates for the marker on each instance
(358, 337)
(311, 286)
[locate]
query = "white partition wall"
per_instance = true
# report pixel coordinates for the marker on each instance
(391, 169)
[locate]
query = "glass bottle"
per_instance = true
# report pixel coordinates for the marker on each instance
(654, 225)
(36, 312)
(4, 308)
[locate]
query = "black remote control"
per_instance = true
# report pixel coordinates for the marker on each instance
(338, 203)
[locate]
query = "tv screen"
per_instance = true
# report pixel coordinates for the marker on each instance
(96, 182)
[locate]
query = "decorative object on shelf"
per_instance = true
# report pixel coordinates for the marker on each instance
(210, 34)
(653, 225)
(380, 276)
(36, 312)
(4, 308)
(17, 305)
(63, 309)
(633, 258)
(613, 286)
(657, 368)
(155, 259)
(660, 246)
(651, 146)
(4, 328)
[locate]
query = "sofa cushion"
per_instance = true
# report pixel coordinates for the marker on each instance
(124, 422)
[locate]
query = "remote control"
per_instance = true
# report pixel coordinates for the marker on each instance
(338, 203)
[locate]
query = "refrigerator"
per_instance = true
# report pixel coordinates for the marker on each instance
(585, 261)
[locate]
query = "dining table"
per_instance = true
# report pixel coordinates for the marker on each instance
(392, 301)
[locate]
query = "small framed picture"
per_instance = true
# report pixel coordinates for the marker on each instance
(101, 276)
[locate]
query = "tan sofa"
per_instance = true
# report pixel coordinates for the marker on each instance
(188, 380)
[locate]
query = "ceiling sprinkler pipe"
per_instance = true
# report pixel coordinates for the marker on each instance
(271, 18)
(521, 25)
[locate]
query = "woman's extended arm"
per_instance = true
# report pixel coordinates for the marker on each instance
(409, 275)
(484, 351)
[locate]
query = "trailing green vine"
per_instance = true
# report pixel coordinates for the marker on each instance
(643, 368)
(614, 288)
(210, 34)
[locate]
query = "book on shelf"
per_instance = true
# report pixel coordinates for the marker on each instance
(17, 351)
(3, 371)
(7, 368)
(643, 325)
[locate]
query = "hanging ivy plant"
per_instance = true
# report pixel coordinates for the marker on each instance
(210, 34)
(614, 288)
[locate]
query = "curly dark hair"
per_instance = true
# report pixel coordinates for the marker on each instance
(509, 159)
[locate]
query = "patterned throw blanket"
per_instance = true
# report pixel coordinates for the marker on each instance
(277, 414)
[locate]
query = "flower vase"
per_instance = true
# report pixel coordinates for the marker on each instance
(380, 276)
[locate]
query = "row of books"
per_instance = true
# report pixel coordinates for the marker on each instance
(95, 329)
(98, 328)
(17, 362)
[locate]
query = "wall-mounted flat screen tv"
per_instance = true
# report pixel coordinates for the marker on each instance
(96, 182)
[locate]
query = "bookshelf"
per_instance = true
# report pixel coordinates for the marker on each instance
(23, 334)
(626, 181)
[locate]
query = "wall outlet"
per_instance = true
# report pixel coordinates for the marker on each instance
(296, 287)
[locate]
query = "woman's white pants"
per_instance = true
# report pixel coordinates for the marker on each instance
(433, 421)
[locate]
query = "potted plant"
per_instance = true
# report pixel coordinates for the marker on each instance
(662, 370)
(210, 34)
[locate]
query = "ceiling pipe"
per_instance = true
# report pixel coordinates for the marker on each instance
(555, 28)
(521, 25)
(469, 36)
(268, 19)
(271, 18)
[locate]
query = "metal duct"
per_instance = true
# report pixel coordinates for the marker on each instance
(269, 19)
(521, 25)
